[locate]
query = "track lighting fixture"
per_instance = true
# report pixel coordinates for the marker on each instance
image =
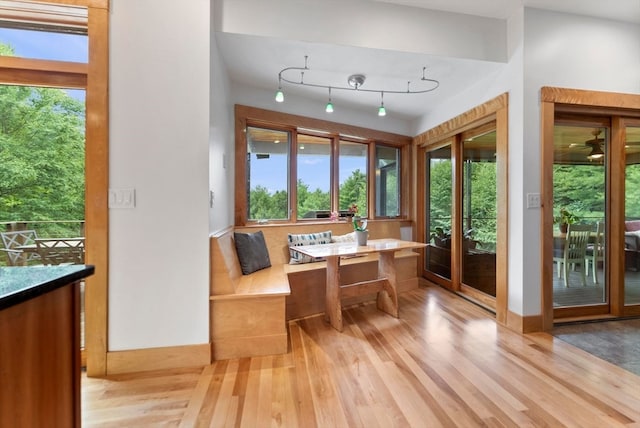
(355, 83)
(329, 107)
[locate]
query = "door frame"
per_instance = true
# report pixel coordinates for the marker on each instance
(582, 102)
(94, 77)
(494, 110)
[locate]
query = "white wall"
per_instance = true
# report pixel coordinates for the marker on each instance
(221, 145)
(159, 126)
(568, 51)
(369, 24)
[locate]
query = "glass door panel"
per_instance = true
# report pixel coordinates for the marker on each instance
(579, 198)
(439, 207)
(632, 217)
(479, 213)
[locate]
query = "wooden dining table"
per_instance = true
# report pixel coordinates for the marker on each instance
(385, 284)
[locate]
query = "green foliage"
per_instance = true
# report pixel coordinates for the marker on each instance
(480, 212)
(440, 200)
(312, 201)
(565, 217)
(483, 218)
(632, 184)
(264, 205)
(580, 190)
(354, 191)
(41, 154)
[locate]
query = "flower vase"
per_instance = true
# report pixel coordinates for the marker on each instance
(563, 227)
(361, 237)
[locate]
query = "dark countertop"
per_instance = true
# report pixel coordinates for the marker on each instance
(19, 284)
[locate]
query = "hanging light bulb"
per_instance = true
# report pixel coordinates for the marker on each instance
(279, 93)
(329, 107)
(381, 110)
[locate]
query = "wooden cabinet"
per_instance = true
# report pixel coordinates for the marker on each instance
(40, 358)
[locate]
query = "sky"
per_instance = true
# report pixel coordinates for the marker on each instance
(272, 173)
(51, 46)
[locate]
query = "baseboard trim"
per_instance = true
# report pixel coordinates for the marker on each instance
(171, 357)
(528, 324)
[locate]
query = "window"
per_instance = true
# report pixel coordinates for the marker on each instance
(46, 45)
(294, 169)
(314, 177)
(353, 176)
(387, 181)
(267, 177)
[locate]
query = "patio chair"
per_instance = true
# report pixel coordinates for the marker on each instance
(13, 241)
(61, 250)
(574, 251)
(595, 252)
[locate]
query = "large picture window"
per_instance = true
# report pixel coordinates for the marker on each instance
(294, 169)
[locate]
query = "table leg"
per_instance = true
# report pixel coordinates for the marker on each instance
(333, 308)
(388, 296)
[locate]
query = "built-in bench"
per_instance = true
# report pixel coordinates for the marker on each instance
(248, 313)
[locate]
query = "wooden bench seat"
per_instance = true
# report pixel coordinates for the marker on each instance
(247, 312)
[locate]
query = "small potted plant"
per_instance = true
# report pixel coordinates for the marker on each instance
(564, 219)
(360, 228)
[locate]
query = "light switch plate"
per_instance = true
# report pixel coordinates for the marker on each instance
(122, 198)
(533, 200)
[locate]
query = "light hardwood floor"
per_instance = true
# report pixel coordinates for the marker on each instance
(445, 362)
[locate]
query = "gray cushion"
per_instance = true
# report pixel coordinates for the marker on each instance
(252, 251)
(306, 239)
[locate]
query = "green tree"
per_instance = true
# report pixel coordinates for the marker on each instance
(263, 205)
(440, 179)
(580, 189)
(41, 154)
(312, 201)
(354, 191)
(484, 214)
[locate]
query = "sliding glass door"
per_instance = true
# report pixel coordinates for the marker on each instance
(632, 215)
(596, 176)
(461, 213)
(439, 208)
(479, 211)
(579, 199)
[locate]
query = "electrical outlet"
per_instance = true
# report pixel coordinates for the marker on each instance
(533, 200)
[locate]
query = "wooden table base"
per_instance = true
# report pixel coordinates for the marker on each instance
(384, 285)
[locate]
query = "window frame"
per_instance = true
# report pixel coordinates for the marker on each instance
(246, 116)
(95, 76)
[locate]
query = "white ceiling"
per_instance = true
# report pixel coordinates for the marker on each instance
(618, 10)
(255, 60)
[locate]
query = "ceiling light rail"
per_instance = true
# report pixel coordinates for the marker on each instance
(355, 82)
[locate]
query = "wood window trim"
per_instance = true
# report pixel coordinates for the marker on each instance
(479, 117)
(93, 76)
(252, 116)
(588, 104)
